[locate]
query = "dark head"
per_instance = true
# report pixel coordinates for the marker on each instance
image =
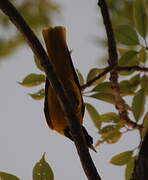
(88, 138)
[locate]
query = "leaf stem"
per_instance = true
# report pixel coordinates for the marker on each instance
(116, 69)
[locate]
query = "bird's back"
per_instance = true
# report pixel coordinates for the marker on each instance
(59, 55)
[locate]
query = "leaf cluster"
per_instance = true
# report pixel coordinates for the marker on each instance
(130, 25)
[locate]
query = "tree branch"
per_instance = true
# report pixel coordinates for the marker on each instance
(116, 69)
(131, 68)
(141, 164)
(89, 83)
(113, 63)
(18, 21)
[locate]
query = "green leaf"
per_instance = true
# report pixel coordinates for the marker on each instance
(144, 83)
(128, 59)
(129, 168)
(134, 81)
(38, 64)
(33, 80)
(105, 87)
(6, 176)
(122, 51)
(125, 88)
(120, 124)
(109, 117)
(105, 131)
(93, 73)
(145, 126)
(38, 95)
(42, 170)
(110, 134)
(138, 104)
(104, 97)
(126, 35)
(94, 115)
(122, 158)
(113, 137)
(140, 16)
(80, 77)
(142, 55)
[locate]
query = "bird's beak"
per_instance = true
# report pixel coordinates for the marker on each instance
(92, 148)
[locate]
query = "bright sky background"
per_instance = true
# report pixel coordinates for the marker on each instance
(24, 134)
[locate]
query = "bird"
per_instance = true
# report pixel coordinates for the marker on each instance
(58, 53)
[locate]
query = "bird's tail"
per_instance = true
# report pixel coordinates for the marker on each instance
(55, 40)
(89, 139)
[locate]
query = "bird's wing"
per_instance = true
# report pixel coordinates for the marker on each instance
(55, 40)
(77, 82)
(46, 109)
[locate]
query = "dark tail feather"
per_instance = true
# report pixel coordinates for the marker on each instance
(89, 139)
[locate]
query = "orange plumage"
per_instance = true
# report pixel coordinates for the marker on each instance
(55, 40)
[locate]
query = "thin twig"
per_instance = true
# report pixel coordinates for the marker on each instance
(89, 83)
(18, 21)
(113, 63)
(131, 68)
(116, 69)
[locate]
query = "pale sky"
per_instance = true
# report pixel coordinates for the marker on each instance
(24, 134)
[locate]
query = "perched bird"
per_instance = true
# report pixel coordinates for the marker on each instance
(55, 40)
